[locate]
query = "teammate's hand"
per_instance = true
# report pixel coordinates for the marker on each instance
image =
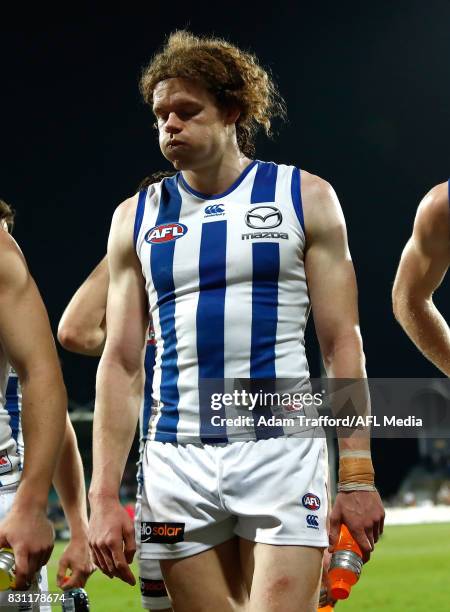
(111, 538)
(30, 534)
(363, 513)
(76, 558)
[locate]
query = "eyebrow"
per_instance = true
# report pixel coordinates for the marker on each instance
(159, 108)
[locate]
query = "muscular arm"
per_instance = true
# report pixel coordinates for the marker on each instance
(423, 265)
(333, 293)
(82, 328)
(69, 484)
(119, 391)
(26, 337)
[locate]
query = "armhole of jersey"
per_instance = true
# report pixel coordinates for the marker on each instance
(297, 197)
(139, 215)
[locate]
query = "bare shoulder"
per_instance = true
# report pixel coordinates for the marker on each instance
(126, 211)
(433, 211)
(13, 268)
(321, 206)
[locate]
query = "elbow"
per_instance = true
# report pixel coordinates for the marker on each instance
(345, 346)
(78, 340)
(406, 304)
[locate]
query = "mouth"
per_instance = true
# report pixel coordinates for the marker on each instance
(174, 144)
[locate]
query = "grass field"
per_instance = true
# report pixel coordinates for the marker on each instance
(410, 572)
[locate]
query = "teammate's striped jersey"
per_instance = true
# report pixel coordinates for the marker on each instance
(11, 440)
(228, 296)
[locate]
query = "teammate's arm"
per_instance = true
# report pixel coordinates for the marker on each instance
(69, 484)
(26, 337)
(333, 292)
(423, 265)
(119, 391)
(82, 328)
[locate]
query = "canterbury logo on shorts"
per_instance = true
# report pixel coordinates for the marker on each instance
(162, 533)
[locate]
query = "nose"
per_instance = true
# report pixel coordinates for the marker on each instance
(173, 124)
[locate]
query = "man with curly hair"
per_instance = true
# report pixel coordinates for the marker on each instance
(227, 256)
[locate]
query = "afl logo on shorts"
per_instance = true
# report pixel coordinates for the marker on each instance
(311, 501)
(165, 233)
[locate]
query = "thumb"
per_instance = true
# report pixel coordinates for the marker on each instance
(334, 532)
(63, 565)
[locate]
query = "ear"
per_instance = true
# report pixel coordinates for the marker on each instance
(231, 115)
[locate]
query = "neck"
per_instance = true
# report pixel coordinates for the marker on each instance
(217, 177)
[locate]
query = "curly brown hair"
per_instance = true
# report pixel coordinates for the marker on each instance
(234, 77)
(7, 214)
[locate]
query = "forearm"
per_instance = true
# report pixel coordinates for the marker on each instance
(43, 421)
(118, 399)
(427, 328)
(346, 361)
(69, 484)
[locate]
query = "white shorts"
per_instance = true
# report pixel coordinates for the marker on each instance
(153, 590)
(195, 497)
(6, 499)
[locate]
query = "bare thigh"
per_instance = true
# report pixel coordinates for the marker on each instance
(281, 578)
(209, 581)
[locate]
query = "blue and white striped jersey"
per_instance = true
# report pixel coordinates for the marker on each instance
(227, 293)
(11, 440)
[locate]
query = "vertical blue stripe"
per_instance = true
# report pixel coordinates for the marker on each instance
(266, 267)
(12, 406)
(211, 325)
(139, 214)
(149, 363)
(296, 194)
(161, 265)
(265, 183)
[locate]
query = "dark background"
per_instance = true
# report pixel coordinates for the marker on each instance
(367, 90)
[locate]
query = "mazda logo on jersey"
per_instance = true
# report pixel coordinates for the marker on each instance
(311, 501)
(165, 233)
(263, 217)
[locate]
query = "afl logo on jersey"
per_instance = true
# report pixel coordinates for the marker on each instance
(165, 233)
(311, 501)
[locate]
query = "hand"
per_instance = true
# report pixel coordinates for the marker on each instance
(111, 538)
(325, 596)
(77, 558)
(30, 534)
(363, 513)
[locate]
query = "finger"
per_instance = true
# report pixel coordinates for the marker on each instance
(335, 525)
(75, 580)
(129, 544)
(23, 575)
(122, 569)
(370, 537)
(63, 566)
(382, 525)
(100, 562)
(376, 531)
(363, 542)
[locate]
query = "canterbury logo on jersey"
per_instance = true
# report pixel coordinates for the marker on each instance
(165, 233)
(215, 210)
(163, 533)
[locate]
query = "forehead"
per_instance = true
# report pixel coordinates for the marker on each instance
(176, 90)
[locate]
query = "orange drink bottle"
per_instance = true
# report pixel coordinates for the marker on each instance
(345, 566)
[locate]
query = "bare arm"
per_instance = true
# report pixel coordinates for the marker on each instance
(26, 337)
(333, 293)
(69, 484)
(119, 390)
(423, 265)
(82, 328)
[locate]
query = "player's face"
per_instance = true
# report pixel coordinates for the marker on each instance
(193, 131)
